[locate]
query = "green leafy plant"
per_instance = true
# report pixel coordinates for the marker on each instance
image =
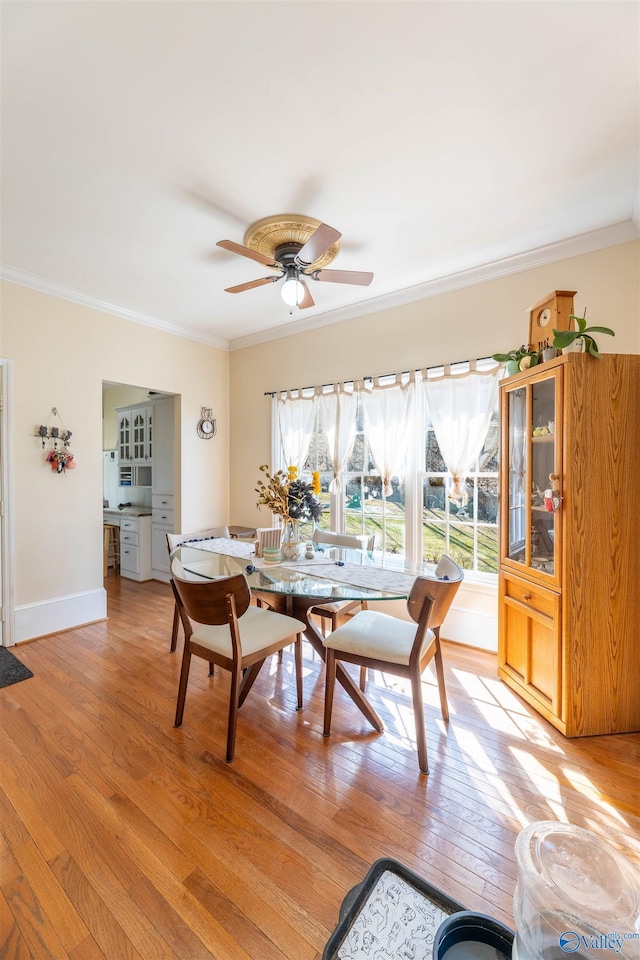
(518, 359)
(563, 338)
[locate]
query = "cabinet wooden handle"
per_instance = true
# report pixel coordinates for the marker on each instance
(526, 596)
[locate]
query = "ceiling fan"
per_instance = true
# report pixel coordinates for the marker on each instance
(299, 248)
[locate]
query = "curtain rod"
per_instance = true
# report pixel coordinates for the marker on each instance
(380, 376)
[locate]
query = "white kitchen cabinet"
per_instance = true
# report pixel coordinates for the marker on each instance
(163, 460)
(162, 491)
(135, 434)
(135, 547)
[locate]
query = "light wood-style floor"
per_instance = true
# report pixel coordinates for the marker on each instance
(124, 838)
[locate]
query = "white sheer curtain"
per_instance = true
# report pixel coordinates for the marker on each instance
(460, 408)
(296, 422)
(388, 418)
(338, 420)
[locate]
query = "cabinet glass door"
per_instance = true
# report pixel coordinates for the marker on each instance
(124, 437)
(531, 516)
(518, 450)
(543, 441)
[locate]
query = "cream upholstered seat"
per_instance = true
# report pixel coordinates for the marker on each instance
(175, 540)
(401, 647)
(221, 626)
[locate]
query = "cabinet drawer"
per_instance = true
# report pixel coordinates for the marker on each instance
(126, 536)
(129, 524)
(163, 517)
(129, 558)
(531, 596)
(162, 501)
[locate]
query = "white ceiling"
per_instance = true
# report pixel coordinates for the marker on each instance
(438, 137)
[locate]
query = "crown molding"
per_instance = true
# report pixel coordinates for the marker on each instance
(34, 282)
(541, 256)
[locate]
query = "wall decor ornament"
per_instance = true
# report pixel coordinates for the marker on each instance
(206, 425)
(59, 456)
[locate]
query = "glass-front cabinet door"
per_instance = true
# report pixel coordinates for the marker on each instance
(531, 486)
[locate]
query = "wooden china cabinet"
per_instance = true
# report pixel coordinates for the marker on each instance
(569, 595)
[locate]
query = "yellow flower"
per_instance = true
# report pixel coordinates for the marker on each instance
(315, 481)
(293, 473)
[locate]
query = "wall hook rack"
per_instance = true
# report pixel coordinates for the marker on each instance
(59, 456)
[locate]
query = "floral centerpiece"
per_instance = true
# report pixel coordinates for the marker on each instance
(290, 498)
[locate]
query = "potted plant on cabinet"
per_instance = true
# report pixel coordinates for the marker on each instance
(517, 360)
(566, 339)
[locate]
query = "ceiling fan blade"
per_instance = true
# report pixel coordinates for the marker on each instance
(250, 284)
(307, 300)
(317, 244)
(360, 277)
(248, 252)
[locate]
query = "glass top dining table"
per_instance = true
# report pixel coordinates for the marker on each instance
(294, 587)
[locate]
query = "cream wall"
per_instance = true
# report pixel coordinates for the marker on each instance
(473, 322)
(60, 353)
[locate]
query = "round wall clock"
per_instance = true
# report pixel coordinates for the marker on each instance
(206, 425)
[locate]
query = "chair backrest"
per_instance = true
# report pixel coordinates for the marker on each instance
(441, 592)
(175, 539)
(448, 569)
(267, 537)
(205, 601)
(351, 541)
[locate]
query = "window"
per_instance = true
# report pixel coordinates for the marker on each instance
(418, 520)
(468, 531)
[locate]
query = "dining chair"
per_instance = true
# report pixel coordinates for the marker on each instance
(401, 647)
(222, 627)
(267, 537)
(335, 611)
(175, 540)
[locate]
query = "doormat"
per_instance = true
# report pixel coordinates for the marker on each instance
(11, 670)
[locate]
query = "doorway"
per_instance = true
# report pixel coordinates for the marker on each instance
(140, 448)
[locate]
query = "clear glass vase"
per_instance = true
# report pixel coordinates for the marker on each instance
(291, 541)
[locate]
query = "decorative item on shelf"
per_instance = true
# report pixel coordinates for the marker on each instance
(518, 359)
(552, 498)
(580, 340)
(549, 352)
(206, 427)
(59, 457)
(291, 499)
(554, 310)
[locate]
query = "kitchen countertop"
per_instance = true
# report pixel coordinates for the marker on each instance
(127, 512)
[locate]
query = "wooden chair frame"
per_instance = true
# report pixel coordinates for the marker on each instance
(218, 602)
(427, 605)
(174, 540)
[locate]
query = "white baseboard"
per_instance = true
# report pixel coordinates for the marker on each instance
(61, 613)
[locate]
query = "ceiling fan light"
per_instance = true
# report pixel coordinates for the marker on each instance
(292, 292)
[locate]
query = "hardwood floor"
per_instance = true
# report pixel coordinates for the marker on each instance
(126, 839)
